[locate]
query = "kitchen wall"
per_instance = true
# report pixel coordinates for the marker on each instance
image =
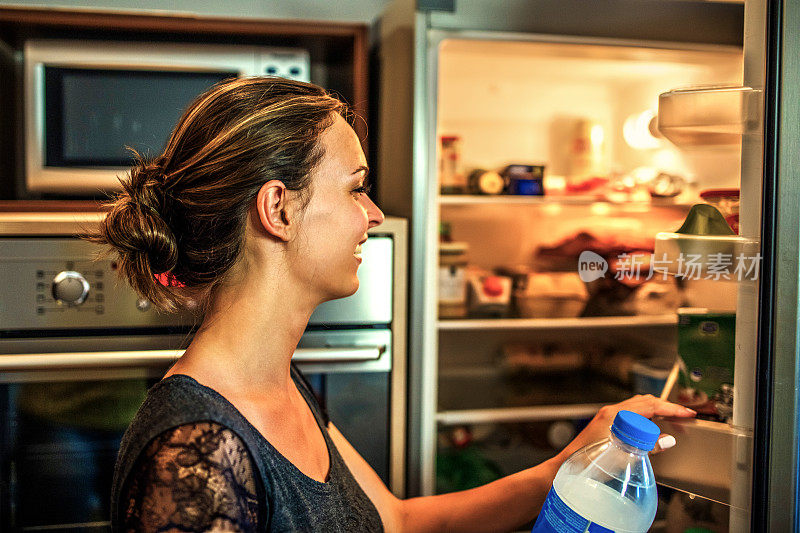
(364, 11)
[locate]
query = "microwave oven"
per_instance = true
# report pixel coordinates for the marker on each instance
(86, 102)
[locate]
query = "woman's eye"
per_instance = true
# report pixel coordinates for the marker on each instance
(364, 189)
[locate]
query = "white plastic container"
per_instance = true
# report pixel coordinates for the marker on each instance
(606, 486)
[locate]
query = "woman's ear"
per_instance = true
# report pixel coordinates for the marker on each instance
(276, 210)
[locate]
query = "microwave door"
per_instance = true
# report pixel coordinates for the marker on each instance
(85, 102)
(94, 121)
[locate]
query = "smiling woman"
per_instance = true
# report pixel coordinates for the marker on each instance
(258, 209)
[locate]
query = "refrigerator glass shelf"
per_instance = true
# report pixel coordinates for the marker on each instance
(558, 323)
(478, 199)
(501, 391)
(708, 116)
(518, 414)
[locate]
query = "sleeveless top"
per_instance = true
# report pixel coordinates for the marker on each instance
(191, 461)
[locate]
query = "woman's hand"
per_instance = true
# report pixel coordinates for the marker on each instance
(647, 406)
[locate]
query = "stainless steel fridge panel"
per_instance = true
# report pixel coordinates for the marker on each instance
(776, 474)
(712, 22)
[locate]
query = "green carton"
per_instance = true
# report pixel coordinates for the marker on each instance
(706, 343)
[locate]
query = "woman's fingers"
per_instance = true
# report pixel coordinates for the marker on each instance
(664, 442)
(651, 406)
(665, 408)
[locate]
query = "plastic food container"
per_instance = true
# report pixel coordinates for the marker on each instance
(707, 116)
(451, 179)
(552, 295)
(650, 376)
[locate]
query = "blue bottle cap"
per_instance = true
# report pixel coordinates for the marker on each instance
(635, 430)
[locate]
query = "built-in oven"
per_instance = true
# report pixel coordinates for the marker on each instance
(78, 351)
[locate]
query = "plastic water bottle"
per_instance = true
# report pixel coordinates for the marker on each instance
(606, 486)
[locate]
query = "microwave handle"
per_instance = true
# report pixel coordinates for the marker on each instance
(156, 358)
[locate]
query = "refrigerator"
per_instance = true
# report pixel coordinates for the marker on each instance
(702, 94)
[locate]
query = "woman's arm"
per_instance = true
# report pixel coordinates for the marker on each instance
(502, 505)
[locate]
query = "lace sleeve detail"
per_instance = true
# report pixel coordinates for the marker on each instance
(196, 477)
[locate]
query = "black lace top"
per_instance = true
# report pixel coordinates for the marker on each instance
(191, 462)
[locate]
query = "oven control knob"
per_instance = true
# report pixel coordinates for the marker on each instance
(70, 288)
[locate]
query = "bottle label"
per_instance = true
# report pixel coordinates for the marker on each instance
(556, 516)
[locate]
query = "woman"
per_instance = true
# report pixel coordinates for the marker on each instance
(257, 209)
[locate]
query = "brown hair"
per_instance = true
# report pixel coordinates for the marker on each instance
(182, 215)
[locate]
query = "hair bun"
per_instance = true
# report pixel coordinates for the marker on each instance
(138, 232)
(135, 226)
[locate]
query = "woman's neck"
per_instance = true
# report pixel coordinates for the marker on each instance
(249, 335)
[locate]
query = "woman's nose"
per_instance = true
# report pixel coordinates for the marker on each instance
(374, 213)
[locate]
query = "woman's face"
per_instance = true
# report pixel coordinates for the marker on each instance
(334, 223)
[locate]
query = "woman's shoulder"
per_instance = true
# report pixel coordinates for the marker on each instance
(182, 423)
(179, 400)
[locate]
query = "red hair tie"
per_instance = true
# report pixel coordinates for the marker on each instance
(168, 280)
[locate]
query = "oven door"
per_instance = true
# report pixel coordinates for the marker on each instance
(350, 373)
(62, 415)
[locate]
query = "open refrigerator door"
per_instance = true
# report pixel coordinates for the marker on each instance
(734, 455)
(715, 372)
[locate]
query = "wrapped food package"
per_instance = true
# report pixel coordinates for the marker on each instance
(552, 295)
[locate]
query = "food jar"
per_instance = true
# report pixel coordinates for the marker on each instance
(452, 279)
(451, 179)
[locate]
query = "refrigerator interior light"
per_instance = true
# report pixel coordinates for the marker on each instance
(597, 135)
(637, 132)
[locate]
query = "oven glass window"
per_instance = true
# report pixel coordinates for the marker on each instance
(358, 404)
(58, 448)
(92, 115)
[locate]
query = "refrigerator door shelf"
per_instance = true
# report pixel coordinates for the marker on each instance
(708, 116)
(705, 459)
(721, 257)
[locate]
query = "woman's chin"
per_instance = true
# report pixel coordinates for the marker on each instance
(353, 288)
(343, 291)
